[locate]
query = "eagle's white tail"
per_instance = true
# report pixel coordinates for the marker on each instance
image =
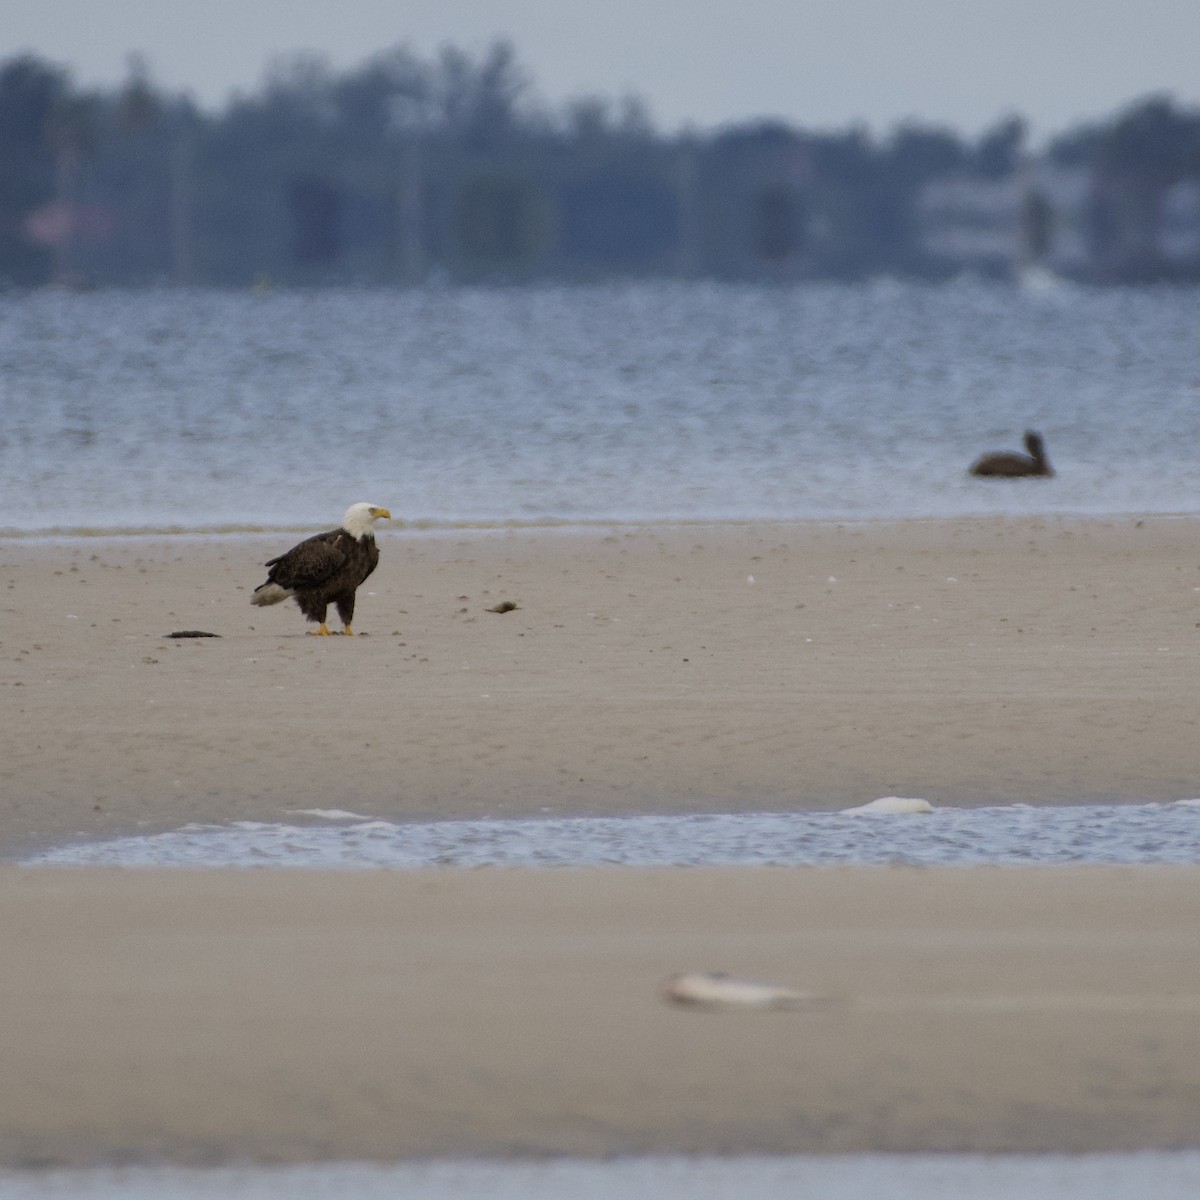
(269, 593)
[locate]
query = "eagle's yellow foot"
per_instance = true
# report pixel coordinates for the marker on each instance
(322, 632)
(348, 631)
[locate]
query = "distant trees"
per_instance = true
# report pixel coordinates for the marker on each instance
(1149, 149)
(1000, 149)
(31, 94)
(404, 165)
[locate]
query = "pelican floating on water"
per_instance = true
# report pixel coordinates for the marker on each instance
(1007, 464)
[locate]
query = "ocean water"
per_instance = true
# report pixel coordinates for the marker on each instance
(657, 401)
(1018, 834)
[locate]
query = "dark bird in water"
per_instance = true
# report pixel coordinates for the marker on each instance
(326, 568)
(1008, 465)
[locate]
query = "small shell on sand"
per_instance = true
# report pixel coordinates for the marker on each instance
(894, 805)
(715, 989)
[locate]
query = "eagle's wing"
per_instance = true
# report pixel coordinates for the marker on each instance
(310, 563)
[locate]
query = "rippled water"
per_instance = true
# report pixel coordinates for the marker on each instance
(1149, 1176)
(651, 401)
(1014, 834)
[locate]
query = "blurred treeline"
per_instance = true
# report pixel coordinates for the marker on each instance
(404, 170)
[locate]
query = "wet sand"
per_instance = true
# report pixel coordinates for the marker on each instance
(210, 1016)
(668, 669)
(275, 1016)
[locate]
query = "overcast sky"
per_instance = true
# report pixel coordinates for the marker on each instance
(822, 64)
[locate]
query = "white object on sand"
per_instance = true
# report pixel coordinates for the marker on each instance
(715, 989)
(893, 805)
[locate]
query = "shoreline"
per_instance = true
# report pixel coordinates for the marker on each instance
(435, 526)
(744, 667)
(694, 669)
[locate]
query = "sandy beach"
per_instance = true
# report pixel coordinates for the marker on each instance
(685, 668)
(208, 1016)
(270, 1016)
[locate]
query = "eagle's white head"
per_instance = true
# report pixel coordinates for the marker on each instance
(360, 519)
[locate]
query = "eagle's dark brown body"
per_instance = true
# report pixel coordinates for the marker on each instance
(325, 569)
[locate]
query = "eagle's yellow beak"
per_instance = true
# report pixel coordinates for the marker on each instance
(381, 514)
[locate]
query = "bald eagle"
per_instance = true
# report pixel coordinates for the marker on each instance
(1007, 465)
(326, 568)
